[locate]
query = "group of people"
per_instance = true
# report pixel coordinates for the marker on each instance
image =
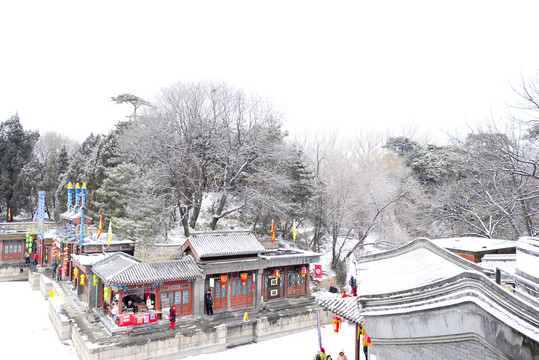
(27, 258)
(321, 355)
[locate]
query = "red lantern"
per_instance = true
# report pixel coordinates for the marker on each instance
(224, 278)
(243, 277)
(304, 271)
(277, 274)
(336, 324)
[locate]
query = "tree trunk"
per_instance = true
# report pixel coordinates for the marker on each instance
(196, 210)
(184, 219)
(219, 211)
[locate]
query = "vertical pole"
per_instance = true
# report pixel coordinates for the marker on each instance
(82, 216)
(69, 197)
(356, 341)
(77, 194)
(498, 276)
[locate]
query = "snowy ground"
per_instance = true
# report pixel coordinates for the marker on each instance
(27, 333)
(25, 328)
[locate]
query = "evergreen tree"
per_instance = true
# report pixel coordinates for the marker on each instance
(16, 146)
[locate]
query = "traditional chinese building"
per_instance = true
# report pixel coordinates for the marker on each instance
(241, 274)
(13, 246)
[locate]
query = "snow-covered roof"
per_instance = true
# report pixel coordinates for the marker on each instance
(421, 277)
(528, 244)
(224, 244)
(73, 215)
(87, 260)
(474, 244)
(408, 267)
(505, 262)
(91, 239)
(144, 273)
(346, 307)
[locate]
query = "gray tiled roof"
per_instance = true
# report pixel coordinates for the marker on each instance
(113, 264)
(346, 307)
(226, 245)
(143, 273)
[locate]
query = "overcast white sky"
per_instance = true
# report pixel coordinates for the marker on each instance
(345, 65)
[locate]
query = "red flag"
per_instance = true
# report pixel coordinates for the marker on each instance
(318, 271)
(100, 227)
(9, 214)
(272, 231)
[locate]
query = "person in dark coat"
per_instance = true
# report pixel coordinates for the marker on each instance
(209, 303)
(172, 317)
(54, 266)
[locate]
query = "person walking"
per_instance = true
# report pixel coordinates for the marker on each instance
(342, 356)
(35, 259)
(54, 266)
(322, 353)
(209, 302)
(172, 317)
(27, 257)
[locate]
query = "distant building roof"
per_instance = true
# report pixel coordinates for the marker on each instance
(474, 245)
(223, 245)
(87, 260)
(73, 215)
(505, 262)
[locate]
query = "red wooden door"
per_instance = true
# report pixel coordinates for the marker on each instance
(241, 294)
(295, 283)
(184, 300)
(219, 294)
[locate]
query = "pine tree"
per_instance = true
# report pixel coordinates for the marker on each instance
(16, 146)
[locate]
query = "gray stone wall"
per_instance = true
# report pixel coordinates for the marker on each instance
(14, 273)
(463, 350)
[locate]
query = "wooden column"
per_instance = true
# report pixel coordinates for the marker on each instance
(120, 301)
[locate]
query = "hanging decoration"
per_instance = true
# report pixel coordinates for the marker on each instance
(64, 263)
(96, 279)
(336, 324)
(303, 271)
(106, 293)
(82, 279)
(243, 277)
(76, 273)
(277, 274)
(224, 279)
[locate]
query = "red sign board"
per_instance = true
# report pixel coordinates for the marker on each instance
(318, 271)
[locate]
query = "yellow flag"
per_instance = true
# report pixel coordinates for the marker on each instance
(294, 232)
(110, 233)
